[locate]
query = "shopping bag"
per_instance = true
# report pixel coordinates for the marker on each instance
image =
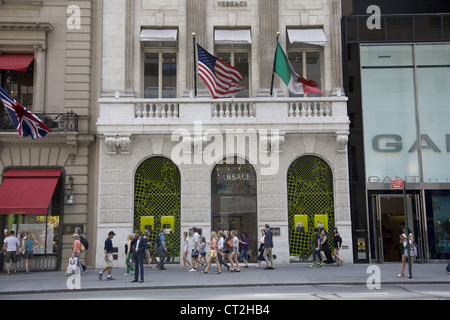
(72, 266)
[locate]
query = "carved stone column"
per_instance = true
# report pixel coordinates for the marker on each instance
(195, 22)
(40, 53)
(268, 28)
(336, 49)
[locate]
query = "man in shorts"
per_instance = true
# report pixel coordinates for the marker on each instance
(195, 250)
(12, 246)
(108, 250)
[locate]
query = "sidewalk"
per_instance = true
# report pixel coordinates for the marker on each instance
(174, 277)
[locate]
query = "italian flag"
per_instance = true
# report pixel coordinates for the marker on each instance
(295, 83)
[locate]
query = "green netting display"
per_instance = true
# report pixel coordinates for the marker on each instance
(157, 202)
(310, 203)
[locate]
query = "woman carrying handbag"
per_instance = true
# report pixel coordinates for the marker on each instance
(412, 250)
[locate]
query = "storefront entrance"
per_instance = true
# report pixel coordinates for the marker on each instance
(311, 204)
(157, 203)
(388, 215)
(31, 205)
(233, 207)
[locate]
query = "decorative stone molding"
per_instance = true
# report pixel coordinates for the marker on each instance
(72, 145)
(25, 26)
(116, 143)
(271, 143)
(40, 47)
(32, 2)
(124, 143)
(111, 145)
(341, 141)
(199, 143)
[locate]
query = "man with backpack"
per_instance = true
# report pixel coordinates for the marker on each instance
(160, 242)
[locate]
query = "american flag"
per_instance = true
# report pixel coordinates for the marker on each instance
(220, 78)
(25, 122)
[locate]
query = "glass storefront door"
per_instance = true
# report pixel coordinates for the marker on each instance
(233, 205)
(388, 215)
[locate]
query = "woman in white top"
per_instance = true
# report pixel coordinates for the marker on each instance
(412, 250)
(185, 250)
(234, 252)
(261, 247)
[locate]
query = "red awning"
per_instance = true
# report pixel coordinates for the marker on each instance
(16, 61)
(28, 191)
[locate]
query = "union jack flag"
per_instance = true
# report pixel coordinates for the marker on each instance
(220, 78)
(26, 123)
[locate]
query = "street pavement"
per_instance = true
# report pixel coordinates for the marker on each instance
(175, 277)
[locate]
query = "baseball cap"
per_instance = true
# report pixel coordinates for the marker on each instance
(111, 232)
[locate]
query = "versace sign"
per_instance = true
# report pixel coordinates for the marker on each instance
(232, 4)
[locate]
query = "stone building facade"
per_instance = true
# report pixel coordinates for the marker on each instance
(171, 159)
(60, 85)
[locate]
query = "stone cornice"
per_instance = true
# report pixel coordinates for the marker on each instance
(10, 139)
(29, 2)
(25, 26)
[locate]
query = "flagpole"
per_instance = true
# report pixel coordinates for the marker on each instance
(195, 66)
(273, 69)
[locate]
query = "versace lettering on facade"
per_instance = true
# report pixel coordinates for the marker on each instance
(226, 4)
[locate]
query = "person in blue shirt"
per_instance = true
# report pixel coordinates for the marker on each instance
(268, 246)
(316, 252)
(108, 250)
(162, 250)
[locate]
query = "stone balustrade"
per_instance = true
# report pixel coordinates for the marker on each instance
(250, 109)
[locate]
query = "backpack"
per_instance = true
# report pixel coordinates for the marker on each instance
(158, 240)
(84, 242)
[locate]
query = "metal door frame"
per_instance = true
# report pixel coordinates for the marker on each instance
(377, 219)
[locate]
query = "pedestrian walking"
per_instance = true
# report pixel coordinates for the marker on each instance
(76, 251)
(268, 246)
(325, 247)
(129, 255)
(185, 249)
(147, 250)
(162, 250)
(202, 251)
(139, 244)
(244, 244)
(316, 251)
(227, 245)
(195, 250)
(11, 246)
(29, 243)
(234, 251)
(84, 244)
(412, 250)
(337, 242)
(213, 253)
(261, 248)
(108, 251)
(221, 254)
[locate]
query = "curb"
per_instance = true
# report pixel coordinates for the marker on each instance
(229, 285)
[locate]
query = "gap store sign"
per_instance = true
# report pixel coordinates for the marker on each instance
(406, 112)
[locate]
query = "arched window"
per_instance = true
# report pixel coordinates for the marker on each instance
(310, 203)
(233, 204)
(157, 204)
